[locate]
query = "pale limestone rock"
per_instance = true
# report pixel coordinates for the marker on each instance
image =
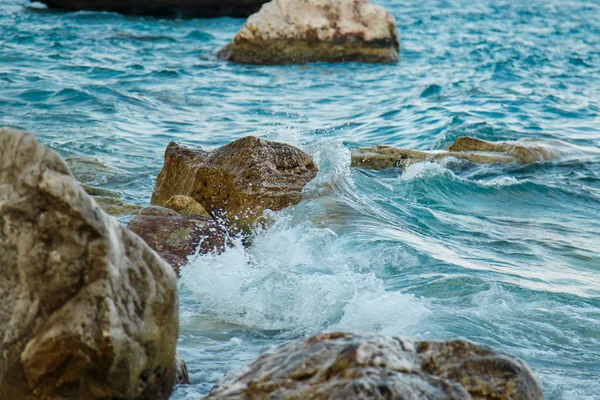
(299, 31)
(88, 310)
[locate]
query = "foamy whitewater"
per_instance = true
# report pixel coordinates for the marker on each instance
(506, 255)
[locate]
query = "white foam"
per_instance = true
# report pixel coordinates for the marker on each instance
(298, 278)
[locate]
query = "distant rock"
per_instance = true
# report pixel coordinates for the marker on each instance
(350, 366)
(301, 31)
(238, 181)
(174, 236)
(466, 148)
(169, 8)
(523, 152)
(88, 310)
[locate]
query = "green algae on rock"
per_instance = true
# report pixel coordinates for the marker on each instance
(88, 310)
(368, 366)
(302, 31)
(238, 181)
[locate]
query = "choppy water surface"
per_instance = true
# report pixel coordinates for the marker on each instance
(504, 255)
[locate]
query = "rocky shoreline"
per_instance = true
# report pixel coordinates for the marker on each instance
(91, 309)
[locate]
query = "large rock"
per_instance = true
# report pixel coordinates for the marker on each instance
(347, 366)
(238, 181)
(300, 31)
(466, 148)
(173, 8)
(88, 310)
(175, 237)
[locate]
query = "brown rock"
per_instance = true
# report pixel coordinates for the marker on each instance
(348, 366)
(88, 310)
(301, 31)
(185, 205)
(524, 153)
(114, 206)
(173, 8)
(174, 236)
(238, 181)
(381, 157)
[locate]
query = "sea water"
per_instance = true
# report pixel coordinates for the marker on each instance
(507, 256)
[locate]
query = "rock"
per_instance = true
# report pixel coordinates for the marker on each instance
(466, 147)
(350, 366)
(88, 310)
(301, 31)
(381, 157)
(174, 236)
(114, 206)
(173, 8)
(524, 153)
(96, 191)
(238, 181)
(181, 375)
(186, 205)
(91, 170)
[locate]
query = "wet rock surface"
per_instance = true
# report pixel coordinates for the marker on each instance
(466, 148)
(169, 8)
(351, 366)
(88, 310)
(301, 31)
(238, 181)
(174, 236)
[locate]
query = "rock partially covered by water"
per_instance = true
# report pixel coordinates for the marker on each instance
(237, 181)
(88, 310)
(349, 366)
(466, 148)
(301, 31)
(522, 152)
(174, 236)
(172, 8)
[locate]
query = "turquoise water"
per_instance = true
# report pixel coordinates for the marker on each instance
(504, 255)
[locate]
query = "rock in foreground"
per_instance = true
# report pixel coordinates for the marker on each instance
(88, 310)
(301, 31)
(349, 366)
(238, 181)
(172, 8)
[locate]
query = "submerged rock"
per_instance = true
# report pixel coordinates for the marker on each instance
(466, 148)
(238, 181)
(91, 170)
(174, 236)
(350, 366)
(114, 206)
(96, 191)
(173, 8)
(88, 310)
(301, 31)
